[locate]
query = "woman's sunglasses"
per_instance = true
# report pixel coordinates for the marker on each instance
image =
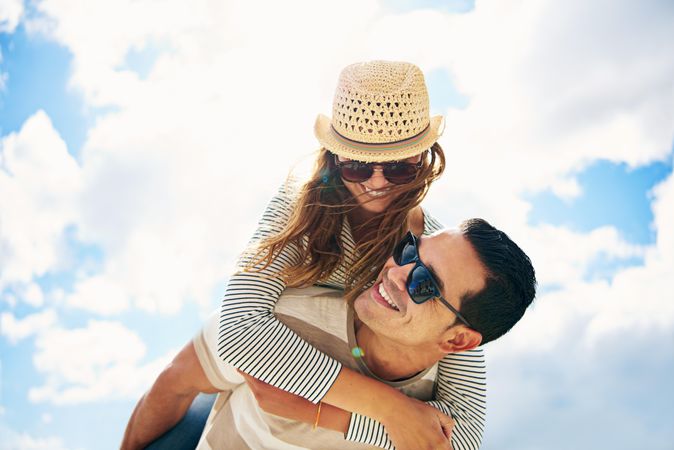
(396, 172)
(421, 284)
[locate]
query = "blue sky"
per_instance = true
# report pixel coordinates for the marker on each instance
(38, 72)
(613, 194)
(616, 220)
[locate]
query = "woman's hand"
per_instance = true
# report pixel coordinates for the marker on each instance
(410, 424)
(416, 425)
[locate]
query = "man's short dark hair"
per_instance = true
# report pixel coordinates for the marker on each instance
(510, 285)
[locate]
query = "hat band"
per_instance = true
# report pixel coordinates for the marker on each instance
(396, 145)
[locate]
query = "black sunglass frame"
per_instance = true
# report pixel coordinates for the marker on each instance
(339, 165)
(411, 239)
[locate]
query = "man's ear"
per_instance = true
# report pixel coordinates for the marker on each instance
(460, 338)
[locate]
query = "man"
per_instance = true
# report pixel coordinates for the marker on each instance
(481, 283)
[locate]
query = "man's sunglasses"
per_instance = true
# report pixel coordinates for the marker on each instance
(421, 284)
(396, 172)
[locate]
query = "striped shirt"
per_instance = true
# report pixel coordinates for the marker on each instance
(318, 315)
(251, 338)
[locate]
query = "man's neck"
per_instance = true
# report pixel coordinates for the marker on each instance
(390, 360)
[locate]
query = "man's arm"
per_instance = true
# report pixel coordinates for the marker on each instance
(167, 400)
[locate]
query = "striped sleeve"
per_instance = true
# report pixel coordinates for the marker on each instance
(460, 393)
(368, 431)
(431, 224)
(249, 335)
(461, 390)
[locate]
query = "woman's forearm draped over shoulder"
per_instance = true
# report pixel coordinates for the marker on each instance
(460, 392)
(253, 340)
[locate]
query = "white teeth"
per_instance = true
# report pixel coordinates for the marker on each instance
(384, 294)
(373, 193)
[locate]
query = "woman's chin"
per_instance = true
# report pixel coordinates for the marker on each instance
(376, 206)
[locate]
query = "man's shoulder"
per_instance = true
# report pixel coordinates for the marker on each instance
(319, 316)
(313, 298)
(318, 305)
(315, 307)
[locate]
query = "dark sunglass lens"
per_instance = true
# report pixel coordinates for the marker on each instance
(409, 253)
(420, 285)
(356, 172)
(405, 252)
(401, 173)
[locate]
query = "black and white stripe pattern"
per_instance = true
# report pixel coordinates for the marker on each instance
(460, 393)
(253, 340)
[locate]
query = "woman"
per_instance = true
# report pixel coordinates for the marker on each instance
(379, 158)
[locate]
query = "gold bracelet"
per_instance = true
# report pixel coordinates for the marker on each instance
(318, 415)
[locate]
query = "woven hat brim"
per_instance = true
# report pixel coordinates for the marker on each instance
(378, 152)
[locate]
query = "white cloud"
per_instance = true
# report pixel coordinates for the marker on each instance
(552, 100)
(663, 211)
(4, 76)
(566, 189)
(10, 15)
(569, 384)
(98, 294)
(96, 362)
(14, 440)
(33, 295)
(562, 256)
(17, 329)
(39, 182)
(634, 300)
(638, 297)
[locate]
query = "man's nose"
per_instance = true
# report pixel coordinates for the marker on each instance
(397, 275)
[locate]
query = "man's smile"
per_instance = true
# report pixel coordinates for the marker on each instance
(381, 296)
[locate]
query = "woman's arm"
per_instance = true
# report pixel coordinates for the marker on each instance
(249, 335)
(460, 393)
(386, 417)
(281, 403)
(460, 383)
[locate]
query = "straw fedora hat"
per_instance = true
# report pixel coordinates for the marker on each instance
(380, 113)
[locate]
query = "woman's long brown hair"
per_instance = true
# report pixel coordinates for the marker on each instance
(316, 222)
